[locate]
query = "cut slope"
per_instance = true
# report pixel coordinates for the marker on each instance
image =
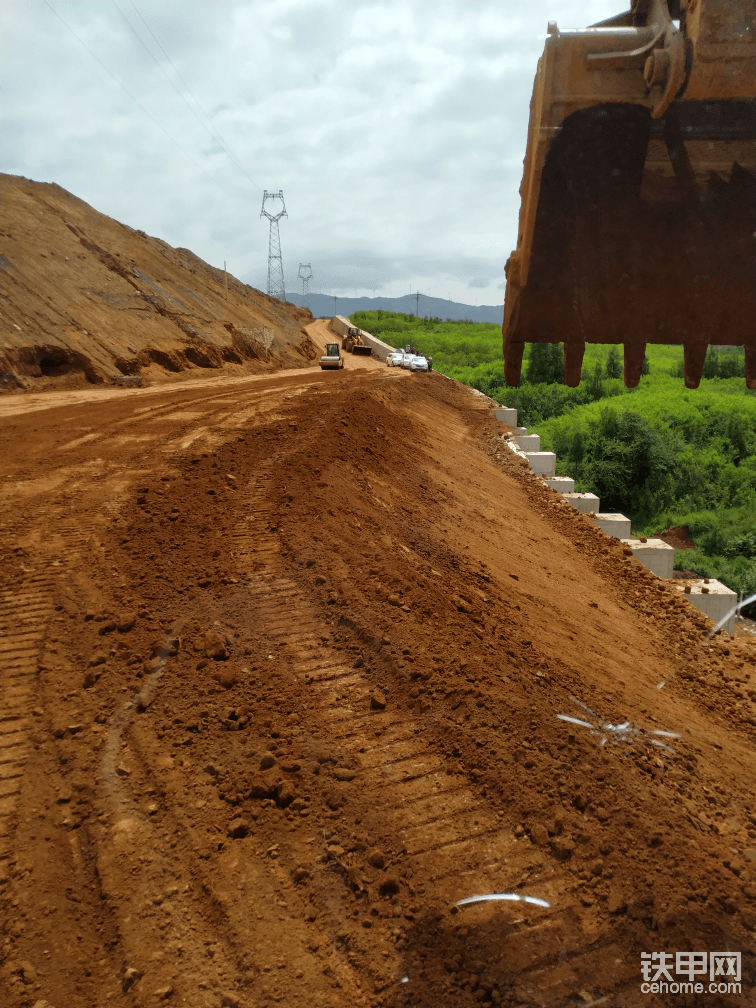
(86, 298)
(299, 695)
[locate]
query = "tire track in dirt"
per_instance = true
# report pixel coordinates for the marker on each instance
(164, 411)
(167, 844)
(454, 841)
(24, 614)
(199, 920)
(173, 410)
(103, 866)
(203, 914)
(445, 829)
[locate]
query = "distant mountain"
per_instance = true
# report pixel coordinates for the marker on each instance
(322, 305)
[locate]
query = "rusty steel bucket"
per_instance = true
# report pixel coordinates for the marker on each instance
(637, 215)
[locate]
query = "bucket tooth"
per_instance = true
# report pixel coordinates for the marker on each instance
(634, 354)
(513, 362)
(695, 358)
(573, 363)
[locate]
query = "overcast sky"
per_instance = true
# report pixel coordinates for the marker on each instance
(395, 129)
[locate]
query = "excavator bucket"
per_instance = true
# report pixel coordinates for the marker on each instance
(637, 214)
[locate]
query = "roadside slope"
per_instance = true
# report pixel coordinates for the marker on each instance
(295, 652)
(86, 298)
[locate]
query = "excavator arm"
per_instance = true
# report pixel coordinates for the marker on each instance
(637, 213)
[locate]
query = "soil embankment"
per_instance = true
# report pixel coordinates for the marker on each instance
(87, 299)
(282, 669)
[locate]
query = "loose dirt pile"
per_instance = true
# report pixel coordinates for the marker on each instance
(286, 664)
(86, 300)
(677, 536)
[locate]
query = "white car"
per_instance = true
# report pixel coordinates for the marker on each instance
(394, 359)
(418, 363)
(407, 359)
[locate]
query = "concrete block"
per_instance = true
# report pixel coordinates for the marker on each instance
(378, 348)
(340, 325)
(517, 431)
(712, 598)
(613, 524)
(506, 415)
(585, 502)
(542, 463)
(528, 442)
(654, 554)
(564, 484)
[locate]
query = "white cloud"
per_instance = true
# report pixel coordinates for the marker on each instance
(396, 128)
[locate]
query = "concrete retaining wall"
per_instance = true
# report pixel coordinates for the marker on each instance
(506, 415)
(564, 484)
(542, 463)
(528, 442)
(585, 502)
(378, 348)
(654, 554)
(613, 524)
(340, 325)
(711, 597)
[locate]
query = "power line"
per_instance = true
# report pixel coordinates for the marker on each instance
(135, 100)
(210, 128)
(149, 52)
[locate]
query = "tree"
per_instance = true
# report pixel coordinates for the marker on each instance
(594, 386)
(613, 365)
(736, 437)
(557, 363)
(546, 365)
(577, 450)
(711, 364)
(732, 363)
(630, 464)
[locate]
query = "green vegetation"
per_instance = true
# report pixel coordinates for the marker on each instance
(662, 454)
(725, 548)
(453, 345)
(669, 456)
(546, 364)
(663, 447)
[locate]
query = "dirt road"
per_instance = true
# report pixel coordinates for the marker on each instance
(281, 670)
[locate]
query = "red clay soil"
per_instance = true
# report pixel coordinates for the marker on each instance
(87, 299)
(281, 676)
(678, 537)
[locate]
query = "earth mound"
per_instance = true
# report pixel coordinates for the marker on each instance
(284, 674)
(88, 300)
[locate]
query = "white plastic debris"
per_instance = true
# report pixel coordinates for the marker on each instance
(615, 733)
(733, 612)
(535, 900)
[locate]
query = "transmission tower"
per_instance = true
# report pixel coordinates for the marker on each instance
(305, 278)
(275, 263)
